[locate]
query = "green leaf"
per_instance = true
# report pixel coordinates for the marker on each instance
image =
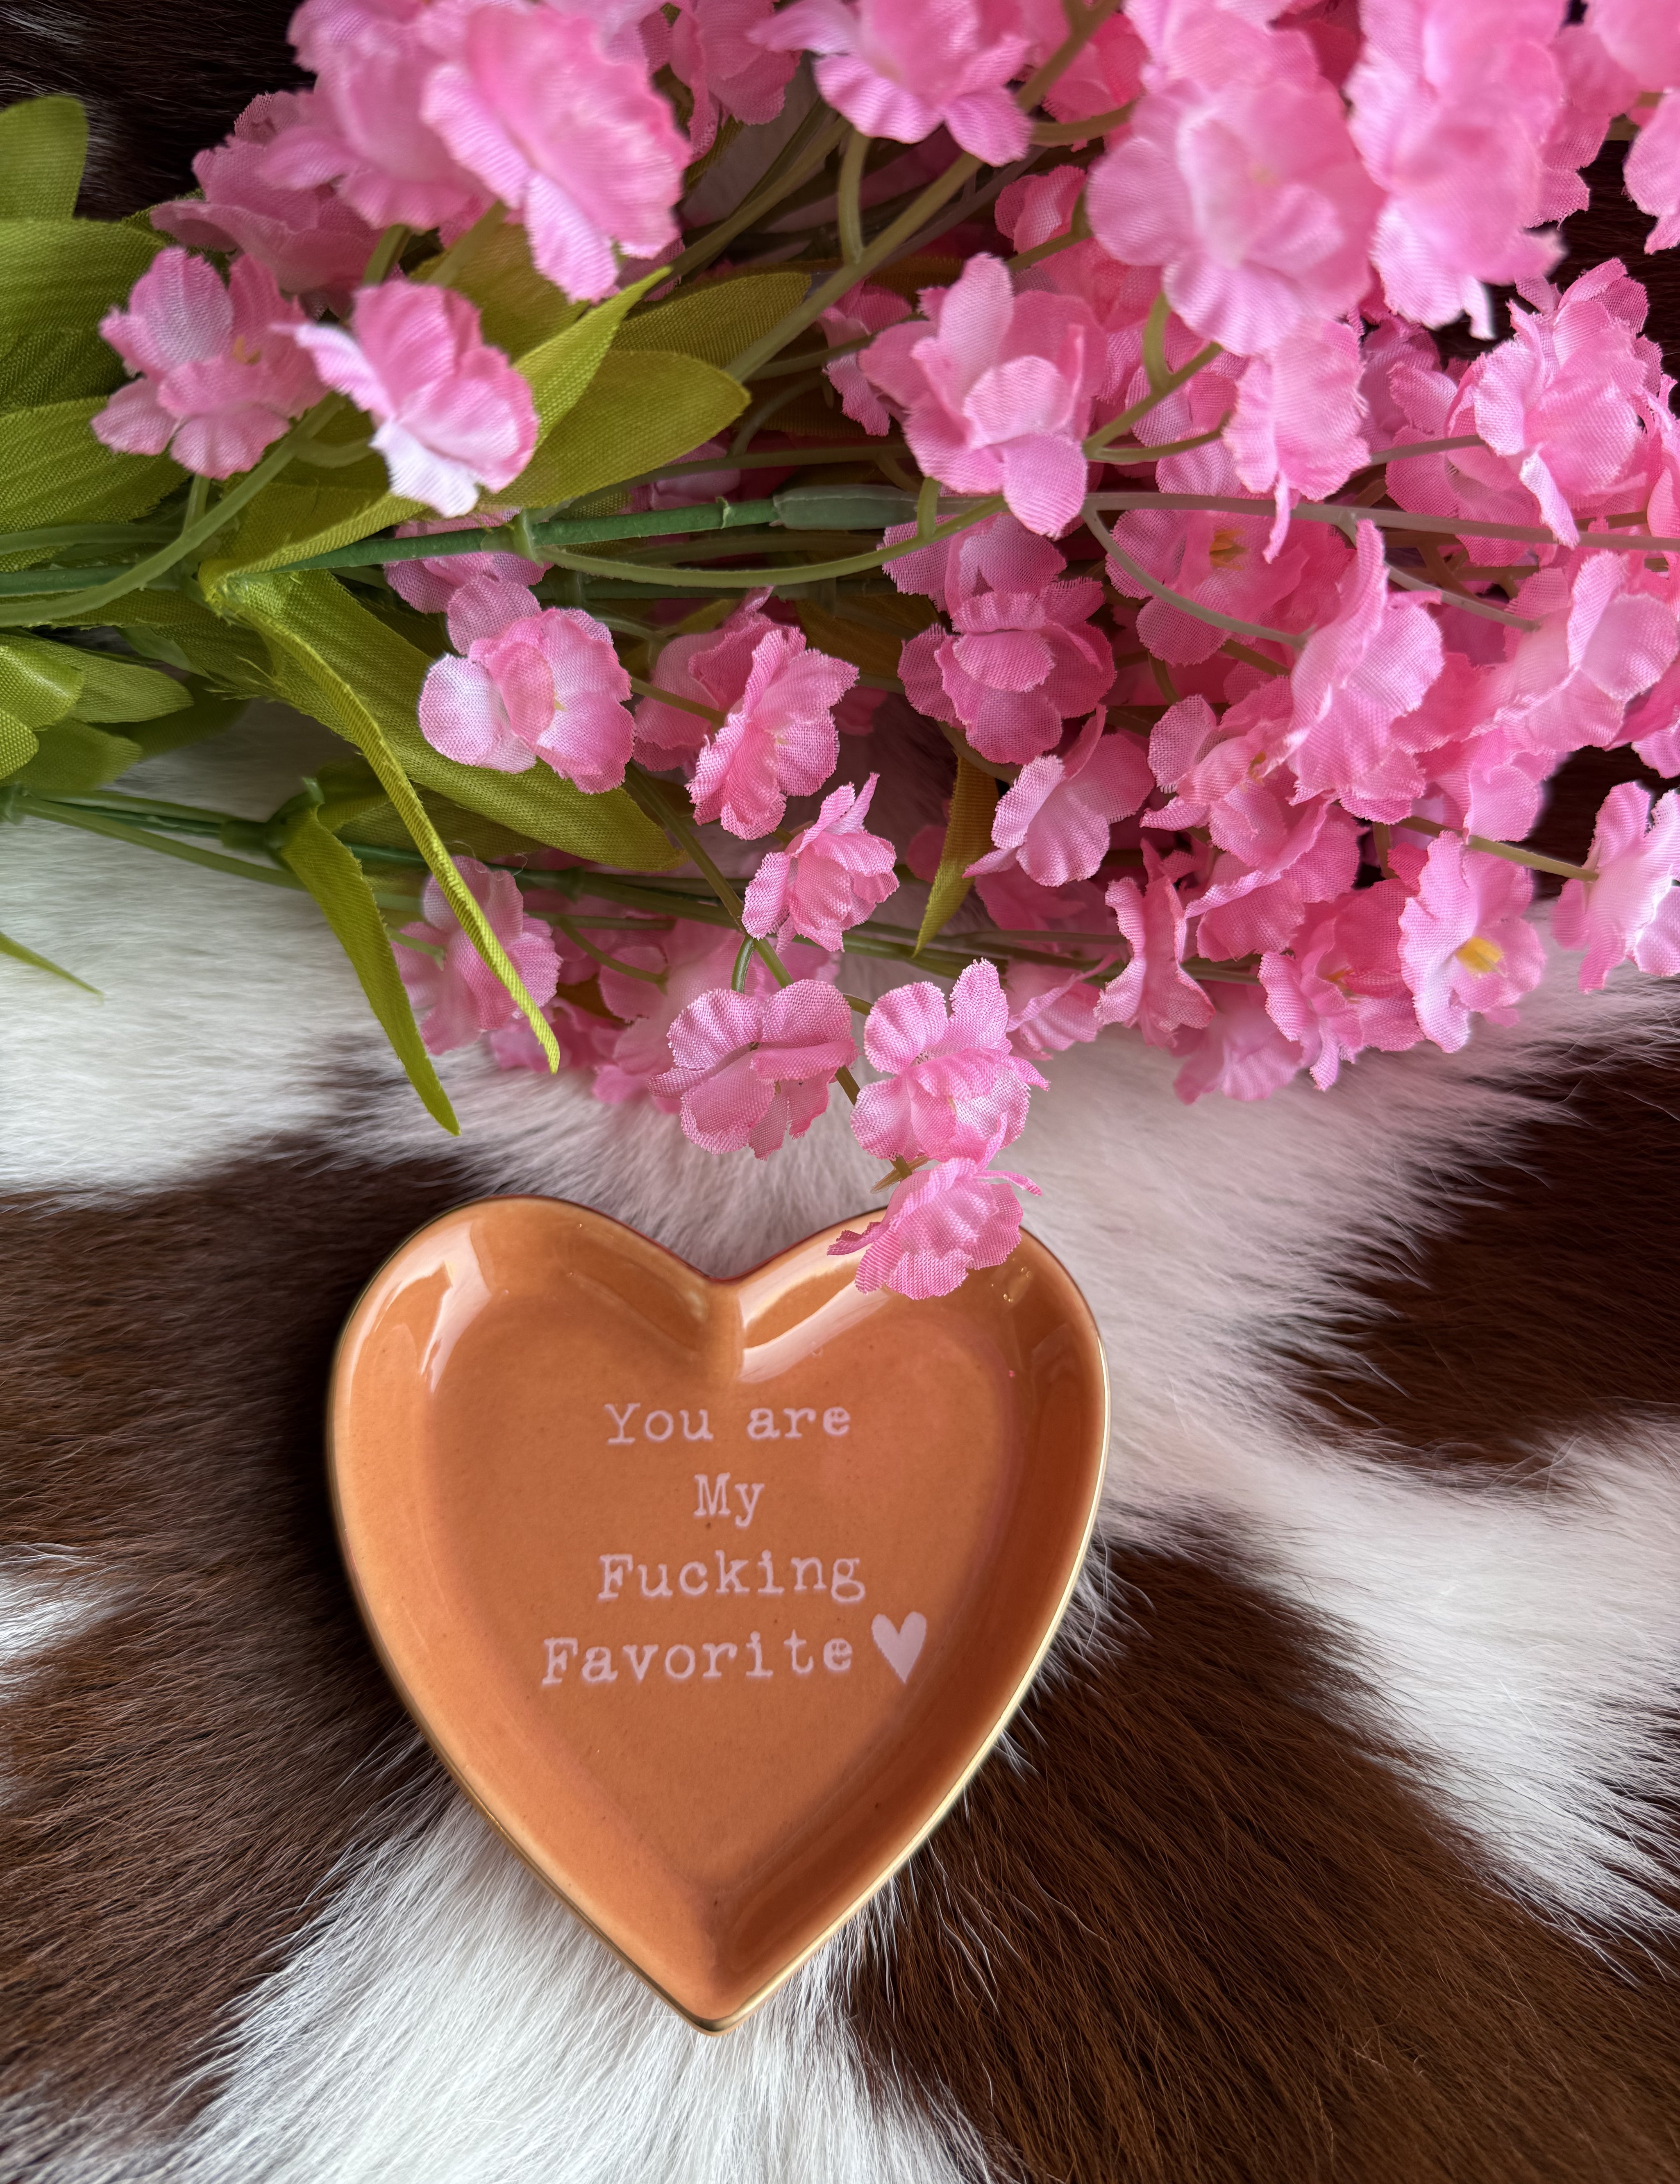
(518, 306)
(53, 471)
(561, 369)
(57, 279)
(337, 661)
(206, 713)
(296, 518)
(43, 149)
(17, 744)
(316, 671)
(106, 689)
(968, 836)
(719, 318)
(74, 758)
(19, 954)
(188, 635)
(39, 683)
(643, 408)
(339, 886)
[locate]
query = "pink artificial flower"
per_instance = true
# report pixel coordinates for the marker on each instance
(363, 127)
(452, 414)
(831, 874)
(900, 68)
(1051, 1009)
(1567, 400)
(1219, 560)
(548, 685)
(1298, 428)
(1238, 180)
(755, 1069)
(996, 390)
(584, 1041)
(938, 1227)
(1651, 176)
(1016, 904)
(1053, 819)
(1240, 1052)
(1017, 665)
(572, 138)
(1106, 72)
(1599, 644)
(460, 994)
(714, 51)
(779, 739)
(998, 555)
(691, 488)
(1643, 35)
(1465, 947)
(1229, 774)
(1629, 906)
(1340, 988)
(710, 667)
(1653, 726)
(1453, 103)
(865, 309)
(310, 239)
(1154, 991)
(1595, 89)
(1252, 909)
(1358, 673)
(951, 1083)
(219, 382)
(433, 586)
(691, 960)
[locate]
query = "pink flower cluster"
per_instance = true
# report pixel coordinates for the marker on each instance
(1268, 621)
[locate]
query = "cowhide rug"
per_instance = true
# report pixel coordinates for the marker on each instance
(1336, 1845)
(1336, 1841)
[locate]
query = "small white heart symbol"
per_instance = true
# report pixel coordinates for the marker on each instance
(900, 1648)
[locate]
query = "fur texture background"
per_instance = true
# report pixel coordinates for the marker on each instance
(1336, 1843)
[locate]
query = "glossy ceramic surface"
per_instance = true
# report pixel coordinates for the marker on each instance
(712, 1594)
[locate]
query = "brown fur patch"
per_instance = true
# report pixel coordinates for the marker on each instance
(1544, 1302)
(181, 1780)
(1206, 1936)
(160, 81)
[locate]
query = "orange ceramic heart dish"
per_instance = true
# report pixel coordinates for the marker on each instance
(712, 1594)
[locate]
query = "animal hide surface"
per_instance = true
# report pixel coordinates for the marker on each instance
(1336, 1843)
(1335, 1840)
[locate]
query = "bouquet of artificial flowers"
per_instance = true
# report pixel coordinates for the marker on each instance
(649, 436)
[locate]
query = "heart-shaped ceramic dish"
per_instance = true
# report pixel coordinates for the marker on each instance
(711, 1594)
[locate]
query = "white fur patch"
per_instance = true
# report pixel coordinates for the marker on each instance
(445, 2022)
(450, 2021)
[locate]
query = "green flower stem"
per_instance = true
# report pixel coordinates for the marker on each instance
(574, 933)
(1466, 601)
(140, 838)
(1512, 852)
(796, 162)
(749, 580)
(683, 704)
(581, 531)
(849, 196)
(386, 252)
(42, 608)
(1423, 448)
(886, 245)
(148, 534)
(30, 582)
(1097, 447)
(801, 360)
(1139, 574)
